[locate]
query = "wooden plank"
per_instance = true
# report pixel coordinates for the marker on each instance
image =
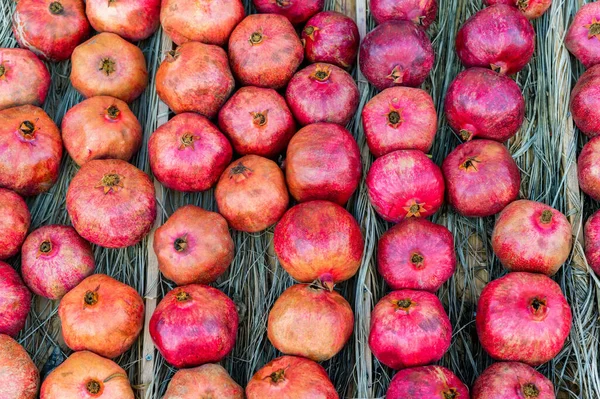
(361, 21)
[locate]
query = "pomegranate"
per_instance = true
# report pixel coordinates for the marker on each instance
(107, 65)
(87, 375)
(111, 203)
(20, 378)
(193, 325)
(191, 143)
(484, 104)
(323, 162)
(583, 36)
(319, 240)
(195, 77)
(421, 12)
(291, 377)
(24, 79)
(584, 104)
(252, 46)
(54, 260)
(409, 328)
(209, 380)
(257, 121)
(14, 223)
(30, 150)
(15, 301)
(131, 19)
(209, 22)
(193, 246)
(592, 242)
(481, 178)
(399, 118)
(532, 237)
(251, 194)
(310, 321)
(50, 28)
(416, 254)
(523, 317)
(101, 127)
(396, 53)
(297, 11)
(512, 380)
(404, 184)
(532, 9)
(427, 382)
(331, 37)
(587, 171)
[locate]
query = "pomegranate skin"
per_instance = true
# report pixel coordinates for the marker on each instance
(310, 321)
(532, 9)
(585, 102)
(54, 260)
(319, 240)
(396, 53)
(331, 37)
(399, 118)
(15, 301)
(587, 171)
(50, 28)
(420, 12)
(101, 127)
(416, 254)
(257, 121)
(208, 380)
(14, 223)
(252, 44)
(484, 104)
(323, 162)
(583, 39)
(532, 237)
(296, 11)
(193, 325)
(404, 184)
(24, 79)
(193, 246)
(512, 380)
(18, 374)
(131, 19)
(30, 150)
(409, 329)
(427, 382)
(523, 317)
(111, 203)
(291, 377)
(592, 242)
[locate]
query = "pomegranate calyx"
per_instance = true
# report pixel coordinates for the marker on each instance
(182, 296)
(260, 118)
(415, 209)
(172, 55)
(91, 298)
(396, 75)
(27, 128)
(107, 66)
(417, 260)
(322, 73)
(45, 246)
(93, 387)
(522, 5)
(465, 135)
(310, 31)
(419, 20)
(56, 8)
(530, 390)
(111, 181)
(470, 163)
(187, 140)
(2, 70)
(180, 244)
(277, 376)
(538, 308)
(546, 216)
(256, 38)
(282, 3)
(451, 393)
(239, 169)
(593, 29)
(113, 112)
(403, 304)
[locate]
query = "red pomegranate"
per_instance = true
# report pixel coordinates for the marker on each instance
(30, 150)
(251, 194)
(209, 22)
(523, 317)
(399, 118)
(319, 240)
(14, 223)
(512, 380)
(297, 11)
(111, 203)
(481, 178)
(587, 172)
(416, 254)
(331, 37)
(107, 65)
(87, 375)
(396, 53)
(421, 12)
(257, 121)
(24, 79)
(188, 153)
(532, 237)
(323, 162)
(592, 242)
(193, 246)
(291, 377)
(585, 101)
(532, 9)
(404, 184)
(484, 104)
(208, 380)
(19, 375)
(252, 46)
(193, 325)
(195, 77)
(583, 36)
(409, 328)
(15, 301)
(101, 127)
(310, 321)
(50, 28)
(131, 19)
(427, 382)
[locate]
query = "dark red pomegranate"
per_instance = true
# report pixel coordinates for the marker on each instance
(408, 329)
(131, 19)
(399, 118)
(193, 325)
(24, 79)
(331, 37)
(188, 153)
(512, 380)
(19, 375)
(523, 317)
(532, 9)
(587, 171)
(396, 53)
(592, 242)
(404, 184)
(50, 28)
(585, 101)
(323, 162)
(257, 121)
(14, 223)
(484, 104)
(252, 47)
(427, 382)
(421, 12)
(297, 11)
(206, 381)
(15, 301)
(583, 36)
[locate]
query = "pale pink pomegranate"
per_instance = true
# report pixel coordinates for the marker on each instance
(583, 36)
(206, 381)
(14, 223)
(512, 380)
(421, 12)
(427, 382)
(15, 301)
(131, 19)
(297, 11)
(19, 375)
(592, 242)
(532, 9)
(585, 101)
(331, 37)
(24, 79)
(588, 172)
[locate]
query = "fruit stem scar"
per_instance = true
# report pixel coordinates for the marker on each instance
(187, 140)
(113, 112)
(470, 164)
(451, 394)
(522, 4)
(465, 135)
(394, 117)
(239, 169)
(107, 66)
(277, 376)
(530, 390)
(27, 128)
(417, 259)
(56, 8)
(45, 246)
(396, 75)
(91, 298)
(594, 29)
(182, 296)
(546, 216)
(259, 118)
(93, 387)
(2, 70)
(403, 304)
(180, 244)
(256, 38)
